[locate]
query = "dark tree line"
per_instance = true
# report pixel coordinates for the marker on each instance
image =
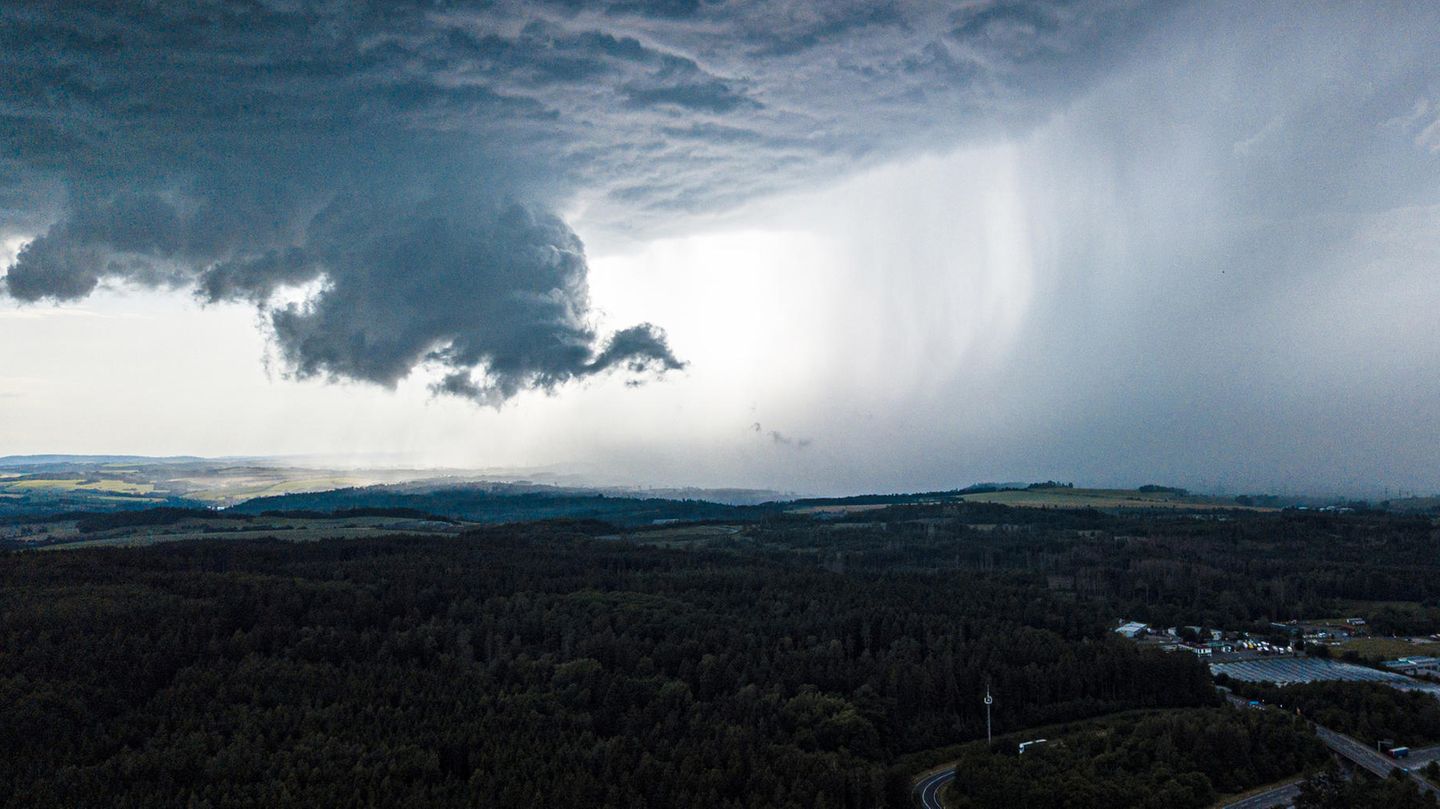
(1234, 570)
(521, 666)
(793, 663)
(1172, 760)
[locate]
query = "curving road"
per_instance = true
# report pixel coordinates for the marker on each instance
(927, 791)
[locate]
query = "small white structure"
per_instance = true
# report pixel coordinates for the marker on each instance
(1132, 629)
(1414, 665)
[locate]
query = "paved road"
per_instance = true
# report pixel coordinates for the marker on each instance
(928, 790)
(1279, 796)
(1359, 753)
(1366, 757)
(1229, 695)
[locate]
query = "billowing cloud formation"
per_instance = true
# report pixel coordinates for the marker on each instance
(461, 283)
(404, 160)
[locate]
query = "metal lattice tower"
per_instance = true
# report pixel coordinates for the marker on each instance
(989, 700)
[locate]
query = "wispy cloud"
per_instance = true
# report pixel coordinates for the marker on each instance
(780, 439)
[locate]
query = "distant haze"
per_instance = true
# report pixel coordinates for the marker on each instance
(823, 248)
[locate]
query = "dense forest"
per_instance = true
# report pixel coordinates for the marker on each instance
(520, 666)
(1235, 570)
(787, 661)
(1172, 760)
(497, 503)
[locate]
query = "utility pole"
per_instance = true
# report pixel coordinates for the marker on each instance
(989, 700)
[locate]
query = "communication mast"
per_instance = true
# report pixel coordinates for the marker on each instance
(989, 700)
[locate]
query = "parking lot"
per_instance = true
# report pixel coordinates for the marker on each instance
(1288, 670)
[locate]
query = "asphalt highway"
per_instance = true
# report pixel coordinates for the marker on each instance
(928, 790)
(1277, 797)
(1365, 756)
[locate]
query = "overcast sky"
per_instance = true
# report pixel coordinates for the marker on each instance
(820, 247)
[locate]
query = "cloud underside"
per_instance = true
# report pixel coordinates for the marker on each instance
(404, 161)
(493, 295)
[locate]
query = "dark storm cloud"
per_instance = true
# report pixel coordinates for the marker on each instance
(404, 160)
(514, 301)
(709, 96)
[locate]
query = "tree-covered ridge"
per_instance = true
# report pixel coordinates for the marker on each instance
(1237, 570)
(517, 667)
(787, 661)
(501, 504)
(1171, 760)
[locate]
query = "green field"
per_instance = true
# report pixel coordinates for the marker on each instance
(851, 508)
(682, 535)
(297, 529)
(237, 490)
(1106, 499)
(109, 485)
(45, 484)
(1378, 649)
